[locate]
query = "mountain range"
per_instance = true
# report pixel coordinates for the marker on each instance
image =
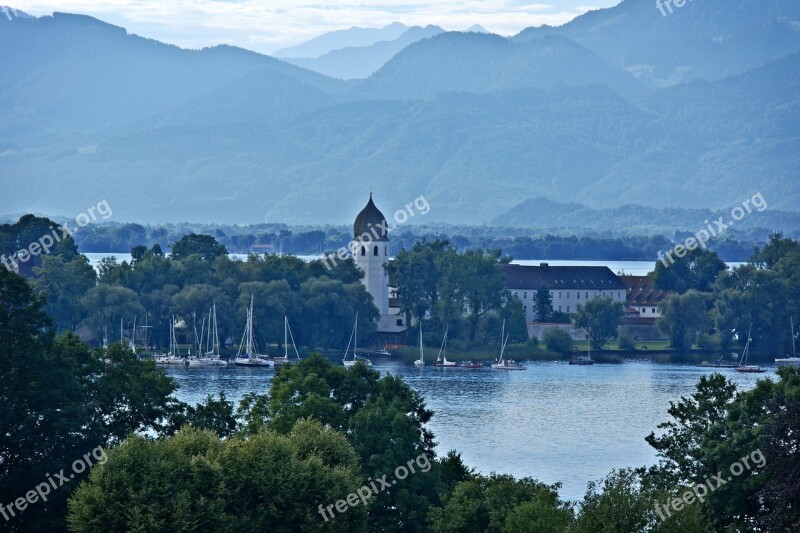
(698, 109)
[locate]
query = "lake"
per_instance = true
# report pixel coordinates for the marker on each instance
(553, 422)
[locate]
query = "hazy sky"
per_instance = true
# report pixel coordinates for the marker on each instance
(267, 25)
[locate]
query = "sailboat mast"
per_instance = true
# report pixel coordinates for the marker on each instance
(285, 338)
(791, 320)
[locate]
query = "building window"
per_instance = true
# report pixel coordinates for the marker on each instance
(524, 295)
(363, 251)
(619, 295)
(587, 295)
(559, 308)
(578, 294)
(399, 321)
(654, 309)
(567, 295)
(567, 309)
(559, 297)
(375, 250)
(525, 308)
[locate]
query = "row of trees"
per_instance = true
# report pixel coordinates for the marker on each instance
(464, 292)
(320, 304)
(714, 306)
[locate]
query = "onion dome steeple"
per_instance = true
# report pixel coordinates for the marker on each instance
(371, 221)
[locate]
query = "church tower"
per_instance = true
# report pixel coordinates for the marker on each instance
(370, 249)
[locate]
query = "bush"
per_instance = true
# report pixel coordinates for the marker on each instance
(558, 340)
(626, 343)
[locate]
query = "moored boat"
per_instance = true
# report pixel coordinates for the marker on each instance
(441, 357)
(502, 363)
(743, 366)
(356, 357)
(248, 352)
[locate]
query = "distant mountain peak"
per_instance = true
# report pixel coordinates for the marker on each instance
(338, 39)
(477, 28)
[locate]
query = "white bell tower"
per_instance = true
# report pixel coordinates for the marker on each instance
(370, 249)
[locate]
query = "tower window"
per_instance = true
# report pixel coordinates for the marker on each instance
(375, 250)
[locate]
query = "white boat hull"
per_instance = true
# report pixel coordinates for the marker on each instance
(251, 361)
(207, 362)
(788, 361)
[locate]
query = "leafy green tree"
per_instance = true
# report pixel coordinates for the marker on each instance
(274, 300)
(601, 317)
(416, 275)
(697, 270)
(109, 304)
(543, 304)
(205, 246)
(59, 401)
(195, 482)
(717, 428)
(514, 315)
(64, 283)
(557, 340)
(471, 283)
(626, 502)
(683, 317)
(500, 503)
(384, 420)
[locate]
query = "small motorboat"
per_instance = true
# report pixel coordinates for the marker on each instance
(470, 364)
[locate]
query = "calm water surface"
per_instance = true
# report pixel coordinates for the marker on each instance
(554, 422)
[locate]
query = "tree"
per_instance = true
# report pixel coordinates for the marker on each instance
(471, 283)
(559, 341)
(416, 276)
(683, 316)
(59, 401)
(195, 482)
(697, 270)
(543, 304)
(626, 501)
(500, 503)
(718, 427)
(109, 304)
(205, 246)
(63, 283)
(383, 418)
(601, 317)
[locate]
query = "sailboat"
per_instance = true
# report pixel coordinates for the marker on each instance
(421, 361)
(441, 357)
(211, 356)
(743, 366)
(793, 360)
(174, 355)
(287, 334)
(503, 363)
(356, 358)
(248, 352)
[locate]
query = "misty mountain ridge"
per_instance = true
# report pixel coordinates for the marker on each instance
(477, 123)
(358, 62)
